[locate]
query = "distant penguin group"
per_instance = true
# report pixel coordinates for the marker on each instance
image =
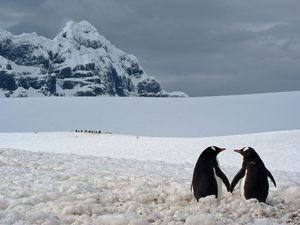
(208, 177)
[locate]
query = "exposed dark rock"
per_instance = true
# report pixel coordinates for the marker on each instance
(82, 75)
(4, 45)
(118, 82)
(58, 58)
(151, 86)
(51, 84)
(89, 66)
(94, 80)
(8, 67)
(85, 93)
(134, 69)
(24, 55)
(23, 82)
(98, 91)
(7, 81)
(78, 67)
(65, 73)
(68, 84)
(90, 43)
(35, 82)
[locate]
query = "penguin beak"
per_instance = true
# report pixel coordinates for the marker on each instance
(238, 150)
(222, 149)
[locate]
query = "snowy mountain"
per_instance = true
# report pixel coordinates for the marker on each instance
(77, 62)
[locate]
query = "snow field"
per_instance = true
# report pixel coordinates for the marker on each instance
(52, 189)
(103, 179)
(279, 150)
(162, 117)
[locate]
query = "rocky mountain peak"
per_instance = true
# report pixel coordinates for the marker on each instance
(84, 34)
(77, 62)
(82, 26)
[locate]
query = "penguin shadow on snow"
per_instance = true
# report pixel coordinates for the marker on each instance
(208, 177)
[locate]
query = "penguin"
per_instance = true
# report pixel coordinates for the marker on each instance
(207, 176)
(255, 176)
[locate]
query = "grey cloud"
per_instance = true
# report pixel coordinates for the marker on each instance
(201, 47)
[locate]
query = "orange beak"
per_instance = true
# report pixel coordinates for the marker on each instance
(222, 149)
(238, 150)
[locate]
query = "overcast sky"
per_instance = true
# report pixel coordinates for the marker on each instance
(201, 47)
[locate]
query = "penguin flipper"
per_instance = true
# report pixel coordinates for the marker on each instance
(223, 177)
(271, 177)
(237, 177)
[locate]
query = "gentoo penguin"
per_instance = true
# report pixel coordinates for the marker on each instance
(255, 176)
(208, 175)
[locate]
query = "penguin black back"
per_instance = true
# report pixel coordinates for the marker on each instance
(204, 181)
(255, 184)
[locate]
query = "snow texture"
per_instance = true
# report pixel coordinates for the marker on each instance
(130, 180)
(120, 180)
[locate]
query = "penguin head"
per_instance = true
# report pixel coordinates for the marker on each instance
(248, 153)
(211, 151)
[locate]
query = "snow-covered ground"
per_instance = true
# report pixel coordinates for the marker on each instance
(119, 179)
(279, 148)
(172, 117)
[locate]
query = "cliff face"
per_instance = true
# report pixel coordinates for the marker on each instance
(77, 62)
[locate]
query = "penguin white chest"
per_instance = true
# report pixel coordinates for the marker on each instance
(242, 185)
(219, 182)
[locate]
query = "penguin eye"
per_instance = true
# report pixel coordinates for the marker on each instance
(213, 148)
